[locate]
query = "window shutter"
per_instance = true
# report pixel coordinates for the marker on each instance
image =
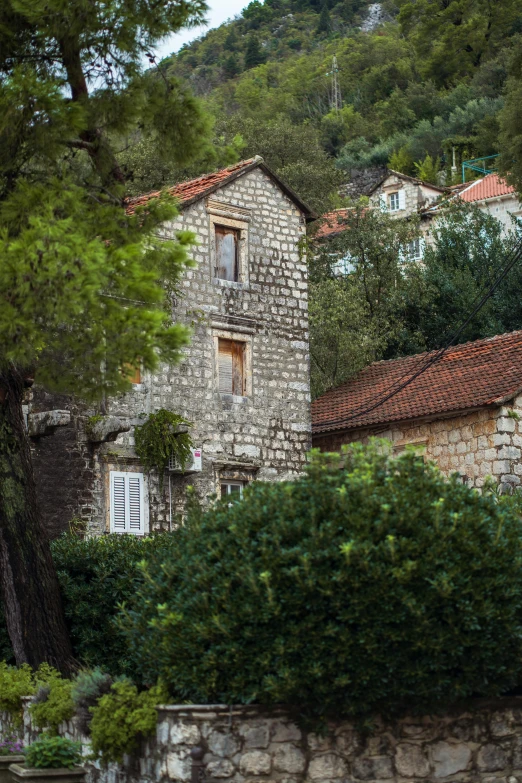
(127, 507)
(237, 369)
(225, 367)
(118, 504)
(383, 201)
(402, 199)
(135, 503)
(422, 246)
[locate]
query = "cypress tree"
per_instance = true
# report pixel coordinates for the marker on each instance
(254, 55)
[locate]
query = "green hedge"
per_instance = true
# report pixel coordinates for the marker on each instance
(375, 586)
(96, 575)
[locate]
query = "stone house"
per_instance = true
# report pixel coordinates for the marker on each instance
(493, 195)
(243, 381)
(464, 410)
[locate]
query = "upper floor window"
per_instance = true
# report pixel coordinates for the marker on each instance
(394, 202)
(231, 367)
(227, 253)
(415, 249)
(232, 489)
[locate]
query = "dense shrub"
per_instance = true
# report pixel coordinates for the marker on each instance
(122, 717)
(53, 753)
(52, 703)
(377, 586)
(96, 575)
(17, 682)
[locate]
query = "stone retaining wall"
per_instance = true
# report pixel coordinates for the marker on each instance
(250, 745)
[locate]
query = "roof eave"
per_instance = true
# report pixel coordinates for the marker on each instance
(258, 162)
(384, 425)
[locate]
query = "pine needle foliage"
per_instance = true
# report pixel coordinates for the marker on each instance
(369, 585)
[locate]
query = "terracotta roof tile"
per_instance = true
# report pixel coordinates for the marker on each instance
(193, 189)
(490, 186)
(471, 375)
(332, 223)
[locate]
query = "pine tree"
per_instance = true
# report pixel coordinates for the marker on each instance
(79, 294)
(254, 55)
(325, 23)
(231, 66)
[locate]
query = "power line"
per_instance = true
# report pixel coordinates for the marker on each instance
(516, 255)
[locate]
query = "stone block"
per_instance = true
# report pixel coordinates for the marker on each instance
(448, 758)
(222, 744)
(492, 758)
(285, 732)
(288, 758)
(509, 452)
(501, 466)
(255, 736)
(372, 768)
(329, 766)
(46, 422)
(184, 734)
(505, 424)
(255, 762)
(220, 769)
(411, 761)
(178, 767)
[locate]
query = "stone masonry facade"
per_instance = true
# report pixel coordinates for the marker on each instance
(482, 443)
(479, 743)
(263, 434)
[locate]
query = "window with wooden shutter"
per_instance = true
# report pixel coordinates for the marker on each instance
(231, 369)
(127, 503)
(227, 253)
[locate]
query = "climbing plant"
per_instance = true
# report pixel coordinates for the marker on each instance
(158, 439)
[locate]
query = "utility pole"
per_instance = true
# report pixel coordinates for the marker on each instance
(336, 101)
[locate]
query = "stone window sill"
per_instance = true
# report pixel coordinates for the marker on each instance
(235, 398)
(230, 284)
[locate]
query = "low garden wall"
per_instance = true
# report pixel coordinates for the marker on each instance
(250, 745)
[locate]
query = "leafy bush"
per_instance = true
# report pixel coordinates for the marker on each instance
(53, 703)
(96, 575)
(369, 585)
(122, 717)
(53, 753)
(17, 682)
(158, 439)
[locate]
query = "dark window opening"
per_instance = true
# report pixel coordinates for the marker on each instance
(227, 253)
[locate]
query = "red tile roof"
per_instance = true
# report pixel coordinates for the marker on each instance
(332, 223)
(491, 186)
(195, 189)
(467, 376)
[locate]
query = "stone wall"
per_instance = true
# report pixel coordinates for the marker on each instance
(263, 435)
(482, 744)
(483, 443)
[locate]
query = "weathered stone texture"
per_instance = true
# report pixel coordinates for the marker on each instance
(263, 435)
(249, 745)
(477, 445)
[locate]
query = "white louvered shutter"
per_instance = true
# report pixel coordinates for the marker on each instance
(383, 201)
(225, 367)
(127, 512)
(134, 482)
(402, 199)
(118, 502)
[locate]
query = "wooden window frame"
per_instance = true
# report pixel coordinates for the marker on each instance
(219, 218)
(220, 230)
(246, 341)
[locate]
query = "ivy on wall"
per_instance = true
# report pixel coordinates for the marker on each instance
(159, 439)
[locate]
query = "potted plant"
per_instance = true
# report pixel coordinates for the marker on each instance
(11, 752)
(50, 760)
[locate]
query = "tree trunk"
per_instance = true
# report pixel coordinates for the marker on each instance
(30, 589)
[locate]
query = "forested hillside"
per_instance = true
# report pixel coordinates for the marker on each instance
(427, 77)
